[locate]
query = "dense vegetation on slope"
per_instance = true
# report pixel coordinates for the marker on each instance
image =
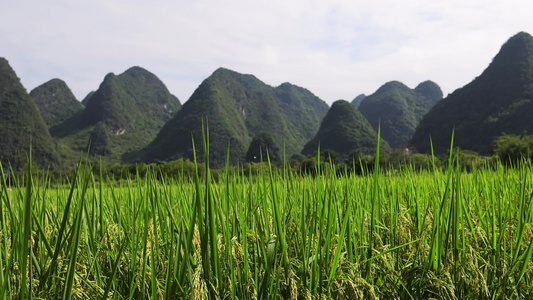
(123, 115)
(236, 107)
(343, 130)
(262, 149)
(124, 101)
(21, 125)
(357, 100)
(499, 101)
(302, 111)
(56, 102)
(87, 98)
(399, 109)
(512, 149)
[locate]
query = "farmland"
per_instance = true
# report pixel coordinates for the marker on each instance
(443, 234)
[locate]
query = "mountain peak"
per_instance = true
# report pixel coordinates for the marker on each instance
(21, 124)
(221, 71)
(136, 69)
(498, 101)
(522, 36)
(357, 100)
(516, 55)
(392, 85)
(123, 115)
(238, 107)
(399, 109)
(343, 130)
(55, 101)
(430, 90)
(108, 77)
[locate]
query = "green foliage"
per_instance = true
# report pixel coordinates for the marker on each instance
(21, 125)
(302, 111)
(469, 160)
(511, 149)
(56, 102)
(99, 140)
(87, 98)
(499, 100)
(357, 161)
(420, 162)
(122, 116)
(399, 109)
(133, 98)
(344, 129)
(276, 234)
(357, 100)
(261, 146)
(330, 156)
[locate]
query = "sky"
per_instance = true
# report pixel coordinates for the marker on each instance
(336, 49)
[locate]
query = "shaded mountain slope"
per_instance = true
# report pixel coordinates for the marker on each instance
(344, 129)
(87, 98)
(237, 107)
(499, 101)
(56, 102)
(399, 109)
(357, 100)
(21, 125)
(123, 115)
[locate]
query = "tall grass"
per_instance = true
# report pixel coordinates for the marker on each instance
(279, 235)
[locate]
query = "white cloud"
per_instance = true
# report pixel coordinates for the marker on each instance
(337, 49)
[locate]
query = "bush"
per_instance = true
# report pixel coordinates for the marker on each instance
(513, 148)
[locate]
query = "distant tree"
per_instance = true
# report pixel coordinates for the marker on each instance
(295, 161)
(262, 144)
(512, 148)
(469, 160)
(358, 161)
(420, 161)
(309, 166)
(329, 155)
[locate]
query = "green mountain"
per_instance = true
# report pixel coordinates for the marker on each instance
(499, 101)
(123, 115)
(21, 125)
(87, 98)
(56, 102)
(236, 107)
(399, 109)
(344, 129)
(357, 100)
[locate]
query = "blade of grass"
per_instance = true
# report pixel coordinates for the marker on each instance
(25, 263)
(75, 238)
(114, 268)
(373, 200)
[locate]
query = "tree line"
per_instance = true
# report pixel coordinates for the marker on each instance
(507, 149)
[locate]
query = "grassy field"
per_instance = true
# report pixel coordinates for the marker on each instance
(407, 235)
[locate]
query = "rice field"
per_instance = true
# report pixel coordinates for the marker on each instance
(441, 234)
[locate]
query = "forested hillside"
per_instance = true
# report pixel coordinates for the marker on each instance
(236, 107)
(499, 101)
(399, 109)
(21, 125)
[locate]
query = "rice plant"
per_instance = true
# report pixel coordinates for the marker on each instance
(440, 234)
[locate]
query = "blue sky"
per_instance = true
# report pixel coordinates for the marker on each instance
(336, 49)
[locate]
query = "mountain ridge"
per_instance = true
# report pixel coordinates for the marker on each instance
(398, 109)
(343, 130)
(56, 102)
(237, 107)
(21, 126)
(498, 101)
(123, 115)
